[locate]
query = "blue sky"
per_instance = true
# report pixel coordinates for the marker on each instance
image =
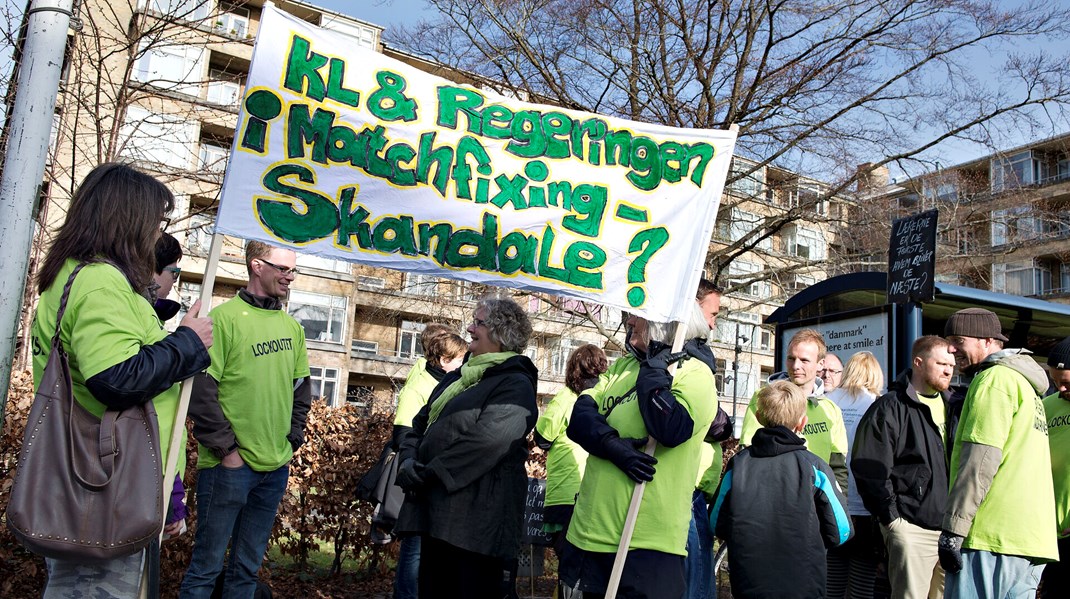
(386, 13)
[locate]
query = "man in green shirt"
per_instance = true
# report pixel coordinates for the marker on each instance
(248, 415)
(1056, 579)
(999, 526)
(825, 433)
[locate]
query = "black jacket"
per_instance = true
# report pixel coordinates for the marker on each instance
(779, 507)
(473, 457)
(899, 459)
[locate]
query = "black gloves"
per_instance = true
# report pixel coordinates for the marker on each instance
(950, 550)
(666, 419)
(412, 476)
(628, 455)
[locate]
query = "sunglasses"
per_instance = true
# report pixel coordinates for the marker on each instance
(174, 270)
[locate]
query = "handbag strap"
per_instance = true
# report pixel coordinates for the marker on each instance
(63, 303)
(107, 446)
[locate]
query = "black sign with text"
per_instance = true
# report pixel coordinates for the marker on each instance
(912, 258)
(533, 534)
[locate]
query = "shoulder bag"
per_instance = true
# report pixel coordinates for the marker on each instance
(87, 489)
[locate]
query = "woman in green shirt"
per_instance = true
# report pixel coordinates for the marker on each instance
(120, 355)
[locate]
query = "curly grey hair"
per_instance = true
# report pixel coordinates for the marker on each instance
(507, 322)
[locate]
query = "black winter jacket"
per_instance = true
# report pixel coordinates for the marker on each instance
(899, 459)
(779, 507)
(474, 457)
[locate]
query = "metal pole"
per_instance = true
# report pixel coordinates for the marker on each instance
(30, 123)
(735, 377)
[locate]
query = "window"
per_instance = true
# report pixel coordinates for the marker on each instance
(1021, 223)
(742, 223)
(1015, 171)
(1027, 277)
(191, 10)
(324, 384)
(560, 352)
(365, 282)
(418, 284)
(749, 186)
(322, 316)
(798, 282)
(742, 272)
(366, 37)
(940, 191)
(805, 243)
(159, 138)
(223, 89)
(199, 236)
(739, 382)
(188, 293)
(765, 340)
(741, 326)
(409, 345)
(1064, 278)
(213, 159)
(363, 396)
(175, 67)
(361, 346)
(234, 21)
(317, 262)
(53, 136)
(532, 352)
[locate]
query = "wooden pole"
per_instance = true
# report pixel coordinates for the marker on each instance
(178, 431)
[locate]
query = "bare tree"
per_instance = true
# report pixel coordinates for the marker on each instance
(815, 88)
(137, 77)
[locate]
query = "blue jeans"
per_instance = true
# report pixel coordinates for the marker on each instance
(985, 574)
(235, 506)
(407, 573)
(699, 562)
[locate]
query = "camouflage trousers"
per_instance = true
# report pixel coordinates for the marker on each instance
(116, 579)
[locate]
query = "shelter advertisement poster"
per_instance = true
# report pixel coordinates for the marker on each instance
(847, 336)
(345, 153)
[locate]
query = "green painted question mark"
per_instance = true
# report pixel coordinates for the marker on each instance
(646, 242)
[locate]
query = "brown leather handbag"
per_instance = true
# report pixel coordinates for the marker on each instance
(87, 489)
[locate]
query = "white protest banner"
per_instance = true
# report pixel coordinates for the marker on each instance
(348, 154)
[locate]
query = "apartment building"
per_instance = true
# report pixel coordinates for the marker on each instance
(1004, 218)
(159, 83)
(791, 229)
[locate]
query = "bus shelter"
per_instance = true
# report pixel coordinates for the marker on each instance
(853, 313)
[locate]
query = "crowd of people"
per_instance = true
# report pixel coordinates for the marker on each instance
(842, 488)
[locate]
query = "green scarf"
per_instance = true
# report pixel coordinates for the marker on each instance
(471, 373)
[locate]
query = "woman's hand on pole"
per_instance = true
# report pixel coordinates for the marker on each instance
(201, 326)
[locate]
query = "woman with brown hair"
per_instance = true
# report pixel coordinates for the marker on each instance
(565, 459)
(120, 356)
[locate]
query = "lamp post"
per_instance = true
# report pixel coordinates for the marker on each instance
(740, 340)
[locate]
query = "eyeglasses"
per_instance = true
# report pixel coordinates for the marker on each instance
(478, 322)
(174, 270)
(282, 269)
(165, 223)
(825, 372)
